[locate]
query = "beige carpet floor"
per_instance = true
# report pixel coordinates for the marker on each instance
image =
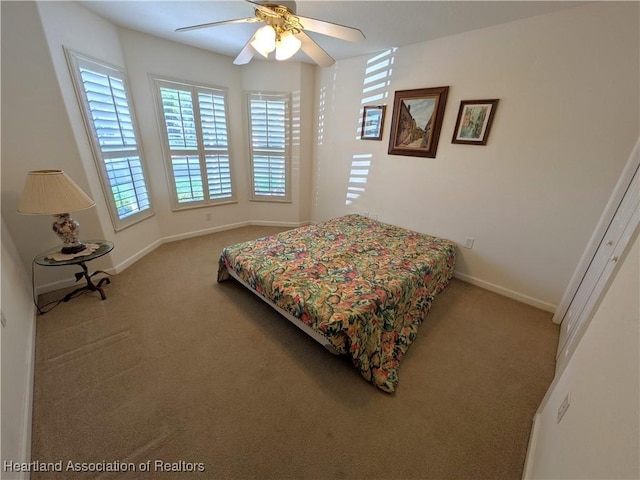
(176, 372)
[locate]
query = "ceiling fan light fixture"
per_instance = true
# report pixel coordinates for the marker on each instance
(287, 45)
(284, 31)
(265, 40)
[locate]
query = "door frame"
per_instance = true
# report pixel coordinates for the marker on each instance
(598, 235)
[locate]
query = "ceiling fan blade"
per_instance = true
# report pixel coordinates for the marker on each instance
(246, 54)
(215, 24)
(342, 32)
(315, 51)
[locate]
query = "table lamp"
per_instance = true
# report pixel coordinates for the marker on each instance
(52, 192)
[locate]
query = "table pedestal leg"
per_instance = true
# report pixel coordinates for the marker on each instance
(90, 285)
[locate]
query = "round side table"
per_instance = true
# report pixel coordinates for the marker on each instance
(104, 246)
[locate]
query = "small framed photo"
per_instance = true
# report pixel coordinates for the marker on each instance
(474, 121)
(416, 122)
(373, 122)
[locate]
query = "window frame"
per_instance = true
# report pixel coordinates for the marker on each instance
(75, 60)
(286, 96)
(201, 151)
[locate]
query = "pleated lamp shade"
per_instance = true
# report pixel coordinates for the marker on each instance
(51, 192)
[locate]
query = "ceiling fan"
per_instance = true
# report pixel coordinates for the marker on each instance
(284, 33)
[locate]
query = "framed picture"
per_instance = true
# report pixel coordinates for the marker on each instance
(474, 121)
(373, 122)
(417, 120)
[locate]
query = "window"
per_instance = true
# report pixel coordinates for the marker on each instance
(195, 135)
(110, 122)
(269, 146)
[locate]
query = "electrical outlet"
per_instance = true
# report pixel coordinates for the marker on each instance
(564, 406)
(468, 243)
(208, 217)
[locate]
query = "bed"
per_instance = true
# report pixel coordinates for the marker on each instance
(360, 287)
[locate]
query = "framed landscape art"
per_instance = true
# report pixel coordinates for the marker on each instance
(417, 121)
(474, 121)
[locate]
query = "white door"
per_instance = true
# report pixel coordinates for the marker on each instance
(617, 235)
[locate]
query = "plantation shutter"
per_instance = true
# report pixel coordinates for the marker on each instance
(110, 121)
(215, 143)
(196, 137)
(268, 125)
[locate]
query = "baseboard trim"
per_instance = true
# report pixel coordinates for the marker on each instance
(49, 287)
(280, 224)
(53, 286)
(27, 421)
(531, 448)
(534, 302)
(205, 231)
(135, 257)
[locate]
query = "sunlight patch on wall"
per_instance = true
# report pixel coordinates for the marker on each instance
(376, 83)
(358, 176)
(377, 80)
(322, 100)
(378, 77)
(295, 118)
(295, 138)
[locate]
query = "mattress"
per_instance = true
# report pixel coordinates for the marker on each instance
(364, 285)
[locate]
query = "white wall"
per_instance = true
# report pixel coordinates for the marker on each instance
(530, 198)
(565, 125)
(38, 80)
(17, 356)
(68, 24)
(36, 134)
(147, 56)
(599, 435)
(298, 79)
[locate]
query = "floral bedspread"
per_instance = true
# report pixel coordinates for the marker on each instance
(363, 284)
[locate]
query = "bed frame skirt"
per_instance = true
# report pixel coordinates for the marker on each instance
(321, 339)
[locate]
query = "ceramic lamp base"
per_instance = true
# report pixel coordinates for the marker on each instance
(68, 230)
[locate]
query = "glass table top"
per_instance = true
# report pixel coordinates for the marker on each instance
(104, 247)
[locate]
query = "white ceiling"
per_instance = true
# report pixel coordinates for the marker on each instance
(385, 23)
